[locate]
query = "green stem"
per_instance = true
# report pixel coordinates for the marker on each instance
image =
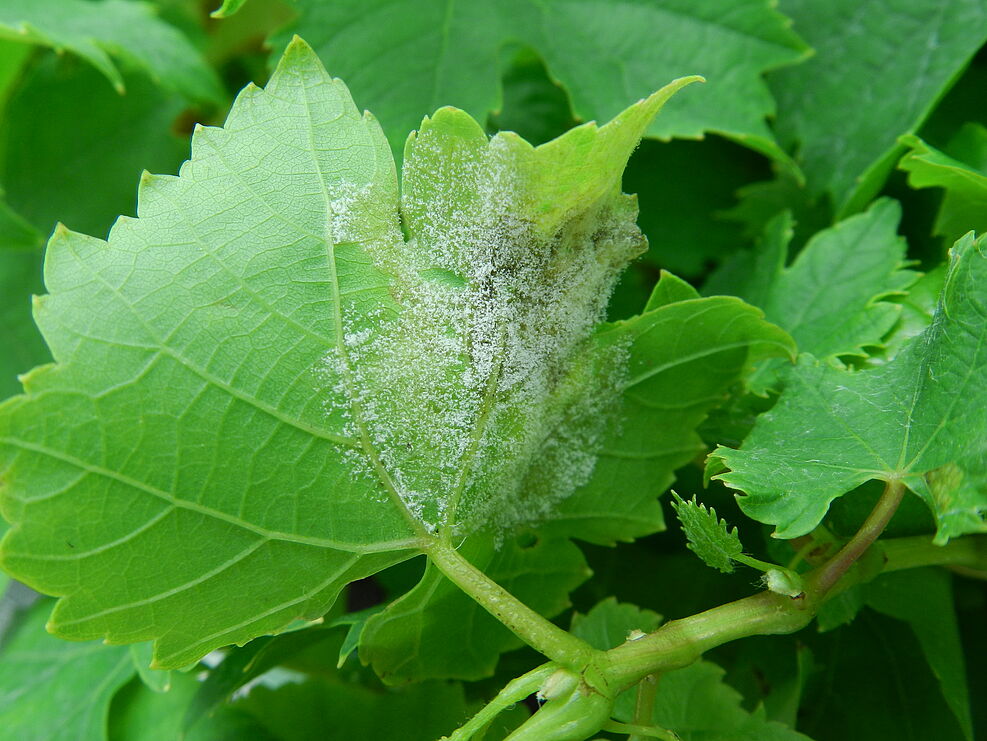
(679, 643)
(647, 690)
(513, 692)
(834, 569)
(538, 632)
(640, 731)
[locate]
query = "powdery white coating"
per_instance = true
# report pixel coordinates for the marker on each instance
(482, 397)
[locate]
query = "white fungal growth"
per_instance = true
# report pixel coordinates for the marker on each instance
(480, 392)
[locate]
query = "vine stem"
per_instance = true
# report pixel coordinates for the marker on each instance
(834, 569)
(538, 632)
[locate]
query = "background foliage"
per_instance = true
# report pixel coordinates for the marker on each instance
(820, 166)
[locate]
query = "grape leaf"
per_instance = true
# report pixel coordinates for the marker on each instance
(402, 60)
(684, 357)
(833, 429)
(437, 631)
(694, 702)
(82, 154)
(140, 714)
(836, 106)
(875, 662)
(102, 29)
(923, 598)
(320, 709)
(262, 359)
(964, 205)
(57, 690)
(709, 536)
(228, 8)
(829, 298)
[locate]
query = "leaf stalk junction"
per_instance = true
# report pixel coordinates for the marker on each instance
(579, 685)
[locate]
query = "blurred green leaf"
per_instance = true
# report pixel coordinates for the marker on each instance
(99, 30)
(403, 61)
(55, 690)
(845, 108)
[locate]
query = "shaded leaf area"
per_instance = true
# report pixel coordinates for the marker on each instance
(313, 709)
(403, 61)
(110, 35)
(42, 693)
(437, 631)
(141, 714)
(830, 297)
(20, 277)
(683, 187)
(694, 702)
(964, 202)
(911, 419)
(684, 356)
(876, 662)
(89, 174)
(835, 108)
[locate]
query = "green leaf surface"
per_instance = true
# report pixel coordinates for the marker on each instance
(833, 429)
(102, 30)
(609, 623)
(55, 690)
(402, 60)
(964, 204)
(436, 630)
(683, 358)
(142, 654)
(320, 709)
(709, 536)
(844, 108)
(875, 662)
(829, 298)
(90, 174)
(315, 395)
(923, 598)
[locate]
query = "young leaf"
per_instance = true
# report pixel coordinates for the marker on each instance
(387, 50)
(437, 631)
(839, 108)
(964, 206)
(709, 537)
(100, 30)
(57, 690)
(265, 391)
(610, 623)
(829, 298)
(833, 429)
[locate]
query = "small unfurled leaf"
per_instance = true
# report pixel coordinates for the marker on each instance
(709, 536)
(56, 690)
(388, 50)
(610, 623)
(100, 30)
(908, 420)
(838, 108)
(964, 205)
